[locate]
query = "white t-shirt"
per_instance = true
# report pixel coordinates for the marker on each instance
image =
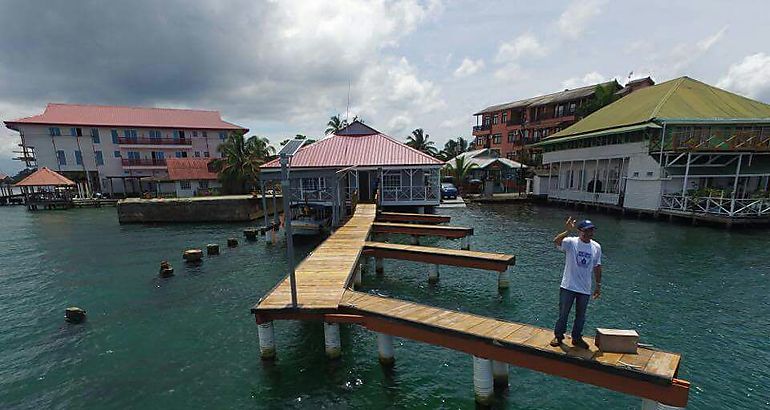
(580, 260)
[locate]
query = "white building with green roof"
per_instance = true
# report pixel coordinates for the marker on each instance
(681, 147)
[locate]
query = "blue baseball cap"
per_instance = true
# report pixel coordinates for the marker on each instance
(586, 224)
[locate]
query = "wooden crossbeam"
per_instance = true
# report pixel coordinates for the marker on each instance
(407, 217)
(453, 232)
(439, 256)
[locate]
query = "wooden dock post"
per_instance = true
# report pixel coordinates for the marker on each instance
(433, 275)
(482, 380)
(357, 277)
(266, 340)
(385, 349)
(332, 340)
(378, 266)
(212, 249)
(653, 405)
(500, 374)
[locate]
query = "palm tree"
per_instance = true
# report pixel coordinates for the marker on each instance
(453, 148)
(241, 157)
(335, 124)
(459, 169)
(419, 141)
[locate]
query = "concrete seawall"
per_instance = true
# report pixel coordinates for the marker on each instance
(232, 208)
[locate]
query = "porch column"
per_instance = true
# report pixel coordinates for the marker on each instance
(735, 185)
(607, 177)
(264, 199)
(684, 182)
(582, 178)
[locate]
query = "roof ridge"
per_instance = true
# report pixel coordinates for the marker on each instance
(665, 98)
(131, 106)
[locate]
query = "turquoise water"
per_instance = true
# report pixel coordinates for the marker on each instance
(190, 342)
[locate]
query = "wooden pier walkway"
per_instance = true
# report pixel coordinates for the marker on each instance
(422, 230)
(411, 218)
(324, 293)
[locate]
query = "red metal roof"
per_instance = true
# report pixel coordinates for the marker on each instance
(363, 150)
(45, 177)
(181, 169)
(117, 116)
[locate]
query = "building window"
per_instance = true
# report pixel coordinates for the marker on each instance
(203, 184)
(197, 154)
(559, 110)
(54, 131)
(494, 119)
(133, 155)
(487, 120)
(99, 158)
(184, 185)
(155, 134)
(222, 136)
(512, 136)
(496, 138)
(310, 184)
(61, 158)
(505, 118)
(95, 135)
(572, 107)
(78, 157)
(130, 134)
(195, 135)
(545, 132)
(206, 154)
(76, 132)
(391, 180)
(205, 134)
(114, 136)
(116, 154)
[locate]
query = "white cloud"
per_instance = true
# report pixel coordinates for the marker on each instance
(468, 67)
(525, 45)
(750, 77)
(589, 78)
(576, 17)
(510, 73)
(683, 55)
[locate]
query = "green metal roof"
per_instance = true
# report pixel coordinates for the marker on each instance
(677, 99)
(619, 130)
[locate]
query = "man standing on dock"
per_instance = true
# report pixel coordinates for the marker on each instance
(583, 257)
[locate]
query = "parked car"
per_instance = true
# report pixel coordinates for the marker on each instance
(448, 191)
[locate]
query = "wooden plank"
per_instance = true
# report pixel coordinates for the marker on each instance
(411, 217)
(440, 256)
(421, 230)
(663, 364)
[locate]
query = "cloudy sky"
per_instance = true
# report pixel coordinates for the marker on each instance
(284, 67)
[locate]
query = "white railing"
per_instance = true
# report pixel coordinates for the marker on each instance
(407, 194)
(316, 195)
(734, 208)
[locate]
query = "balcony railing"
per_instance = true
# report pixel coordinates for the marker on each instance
(153, 141)
(144, 162)
(482, 127)
(729, 207)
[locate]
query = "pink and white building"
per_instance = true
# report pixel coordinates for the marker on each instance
(121, 150)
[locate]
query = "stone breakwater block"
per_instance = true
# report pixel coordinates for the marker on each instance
(616, 340)
(193, 255)
(74, 315)
(232, 242)
(250, 233)
(212, 249)
(166, 270)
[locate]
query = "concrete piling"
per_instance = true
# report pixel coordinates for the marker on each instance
(192, 255)
(465, 243)
(250, 233)
(385, 349)
(357, 277)
(378, 266)
(483, 387)
(332, 340)
(74, 314)
(433, 274)
(266, 340)
(166, 270)
(500, 374)
(503, 281)
(232, 242)
(653, 405)
(212, 249)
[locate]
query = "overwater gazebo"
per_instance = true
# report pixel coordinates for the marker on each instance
(47, 189)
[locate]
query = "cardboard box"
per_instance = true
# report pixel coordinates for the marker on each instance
(616, 340)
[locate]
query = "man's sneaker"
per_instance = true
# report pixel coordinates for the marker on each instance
(556, 342)
(579, 342)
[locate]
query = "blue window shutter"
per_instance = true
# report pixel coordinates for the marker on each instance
(73, 132)
(114, 136)
(78, 157)
(178, 154)
(61, 157)
(176, 134)
(116, 153)
(99, 158)
(161, 155)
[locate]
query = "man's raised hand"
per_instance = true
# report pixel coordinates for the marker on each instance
(569, 224)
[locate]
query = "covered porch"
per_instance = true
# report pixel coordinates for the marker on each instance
(591, 180)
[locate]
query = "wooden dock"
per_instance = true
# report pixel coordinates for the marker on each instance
(324, 293)
(422, 230)
(411, 218)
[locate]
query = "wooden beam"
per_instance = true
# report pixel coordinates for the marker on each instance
(675, 393)
(407, 217)
(440, 256)
(422, 230)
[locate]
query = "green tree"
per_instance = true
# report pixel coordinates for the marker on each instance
(419, 140)
(459, 169)
(238, 168)
(603, 95)
(308, 141)
(453, 148)
(335, 124)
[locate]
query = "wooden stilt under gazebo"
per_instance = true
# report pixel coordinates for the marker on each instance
(47, 189)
